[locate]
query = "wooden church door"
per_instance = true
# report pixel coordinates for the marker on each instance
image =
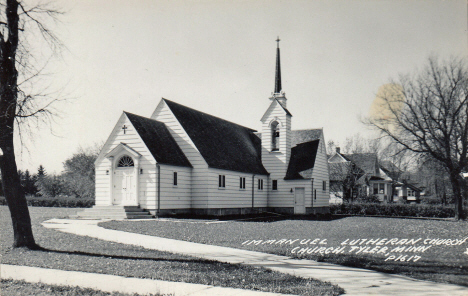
(299, 200)
(124, 187)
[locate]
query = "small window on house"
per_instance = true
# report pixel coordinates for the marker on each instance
(242, 183)
(315, 193)
(260, 184)
(274, 185)
(221, 181)
(125, 161)
(376, 188)
(324, 185)
(381, 188)
(275, 136)
(175, 179)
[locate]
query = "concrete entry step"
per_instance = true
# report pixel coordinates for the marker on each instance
(113, 212)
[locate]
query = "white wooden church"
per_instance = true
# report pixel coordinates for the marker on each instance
(182, 160)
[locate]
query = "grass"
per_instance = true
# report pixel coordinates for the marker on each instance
(439, 263)
(77, 253)
(21, 288)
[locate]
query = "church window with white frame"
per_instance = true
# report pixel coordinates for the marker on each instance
(260, 184)
(125, 161)
(222, 181)
(242, 182)
(275, 134)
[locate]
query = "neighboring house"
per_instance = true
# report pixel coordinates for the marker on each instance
(407, 192)
(181, 160)
(379, 179)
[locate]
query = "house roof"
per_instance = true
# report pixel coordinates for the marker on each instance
(223, 144)
(366, 161)
(302, 161)
(340, 171)
(390, 169)
(159, 140)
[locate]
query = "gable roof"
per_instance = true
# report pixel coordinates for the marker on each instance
(302, 161)
(303, 136)
(284, 108)
(223, 144)
(366, 161)
(272, 105)
(158, 140)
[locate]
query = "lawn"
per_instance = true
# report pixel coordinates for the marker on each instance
(423, 249)
(22, 288)
(77, 253)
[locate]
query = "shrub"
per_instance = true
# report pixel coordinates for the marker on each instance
(394, 210)
(63, 202)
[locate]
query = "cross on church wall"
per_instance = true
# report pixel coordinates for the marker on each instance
(124, 128)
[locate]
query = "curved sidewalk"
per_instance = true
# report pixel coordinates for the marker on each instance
(354, 280)
(113, 283)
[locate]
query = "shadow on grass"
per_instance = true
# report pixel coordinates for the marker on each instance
(123, 257)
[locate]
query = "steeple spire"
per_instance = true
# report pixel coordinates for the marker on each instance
(278, 86)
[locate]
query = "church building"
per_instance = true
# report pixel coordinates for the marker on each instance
(181, 160)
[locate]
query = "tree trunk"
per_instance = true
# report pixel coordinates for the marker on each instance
(23, 235)
(456, 186)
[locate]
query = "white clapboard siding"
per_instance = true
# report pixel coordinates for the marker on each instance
(320, 173)
(171, 196)
(232, 196)
(200, 167)
(146, 194)
(283, 197)
(276, 162)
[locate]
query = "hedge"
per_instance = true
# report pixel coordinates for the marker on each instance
(63, 202)
(394, 210)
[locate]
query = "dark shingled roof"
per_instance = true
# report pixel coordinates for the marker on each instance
(366, 161)
(302, 136)
(223, 144)
(302, 161)
(159, 140)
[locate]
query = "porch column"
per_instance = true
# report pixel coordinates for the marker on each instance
(137, 179)
(111, 180)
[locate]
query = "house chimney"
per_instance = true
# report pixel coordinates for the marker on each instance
(337, 149)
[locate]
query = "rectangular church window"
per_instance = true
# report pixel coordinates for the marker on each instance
(242, 183)
(222, 181)
(175, 179)
(274, 185)
(260, 184)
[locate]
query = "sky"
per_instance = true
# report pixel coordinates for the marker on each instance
(219, 57)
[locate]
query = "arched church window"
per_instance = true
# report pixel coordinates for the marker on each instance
(125, 161)
(275, 136)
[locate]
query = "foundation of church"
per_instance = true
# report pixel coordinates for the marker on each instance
(236, 211)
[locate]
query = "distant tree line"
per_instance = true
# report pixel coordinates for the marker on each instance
(76, 180)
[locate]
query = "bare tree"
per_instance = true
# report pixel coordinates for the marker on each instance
(427, 114)
(17, 103)
(346, 179)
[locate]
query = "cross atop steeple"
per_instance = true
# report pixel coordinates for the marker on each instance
(278, 86)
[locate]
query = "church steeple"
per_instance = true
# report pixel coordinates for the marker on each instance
(278, 87)
(278, 93)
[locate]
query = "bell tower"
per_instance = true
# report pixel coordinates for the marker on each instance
(278, 93)
(276, 129)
